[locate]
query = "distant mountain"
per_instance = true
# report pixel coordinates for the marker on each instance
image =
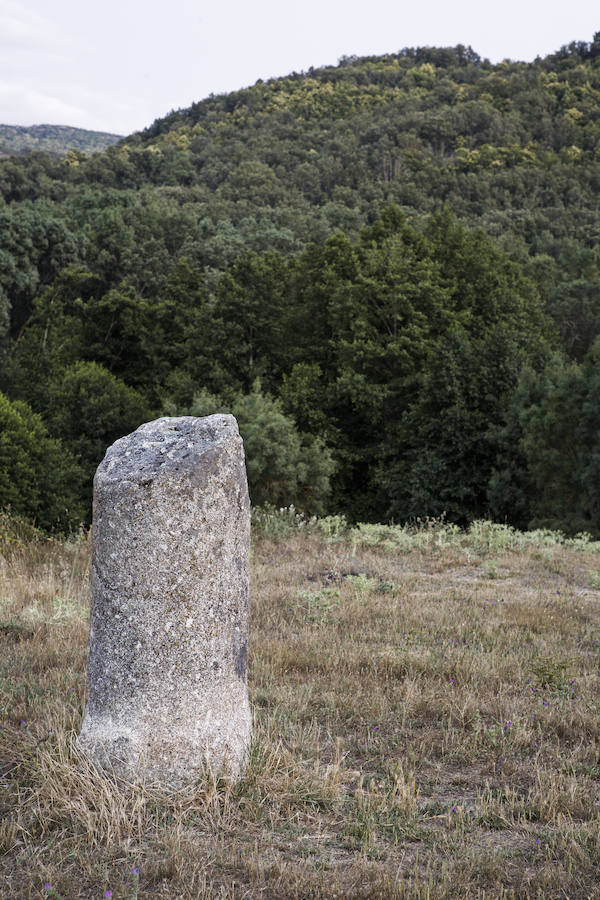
(54, 139)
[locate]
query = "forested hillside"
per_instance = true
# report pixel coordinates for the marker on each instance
(54, 139)
(388, 269)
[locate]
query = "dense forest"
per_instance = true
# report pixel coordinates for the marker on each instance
(54, 139)
(388, 269)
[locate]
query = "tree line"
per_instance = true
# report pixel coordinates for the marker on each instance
(388, 270)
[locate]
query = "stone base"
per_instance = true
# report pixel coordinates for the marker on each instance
(173, 758)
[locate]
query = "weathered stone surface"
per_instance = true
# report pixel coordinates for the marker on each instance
(167, 685)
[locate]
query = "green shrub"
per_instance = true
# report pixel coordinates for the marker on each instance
(37, 472)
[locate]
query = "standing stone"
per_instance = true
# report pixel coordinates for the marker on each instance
(167, 670)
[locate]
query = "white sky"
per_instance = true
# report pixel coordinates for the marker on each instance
(116, 65)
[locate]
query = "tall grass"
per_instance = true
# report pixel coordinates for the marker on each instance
(426, 724)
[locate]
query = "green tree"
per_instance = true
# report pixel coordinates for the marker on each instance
(248, 316)
(52, 340)
(452, 435)
(34, 247)
(4, 326)
(438, 454)
(91, 409)
(559, 417)
(38, 473)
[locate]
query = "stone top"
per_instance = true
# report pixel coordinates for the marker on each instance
(162, 444)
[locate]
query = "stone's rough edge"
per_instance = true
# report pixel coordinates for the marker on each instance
(129, 455)
(112, 743)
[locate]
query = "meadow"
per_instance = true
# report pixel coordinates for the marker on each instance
(426, 724)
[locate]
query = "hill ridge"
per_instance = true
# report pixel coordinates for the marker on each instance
(56, 140)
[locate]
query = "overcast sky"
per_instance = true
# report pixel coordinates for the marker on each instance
(116, 65)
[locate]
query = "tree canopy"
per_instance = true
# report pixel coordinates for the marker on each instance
(392, 264)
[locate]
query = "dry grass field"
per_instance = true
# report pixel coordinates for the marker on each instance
(427, 724)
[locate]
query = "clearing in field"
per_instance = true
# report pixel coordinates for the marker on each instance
(426, 724)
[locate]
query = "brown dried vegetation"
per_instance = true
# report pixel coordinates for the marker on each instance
(427, 724)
